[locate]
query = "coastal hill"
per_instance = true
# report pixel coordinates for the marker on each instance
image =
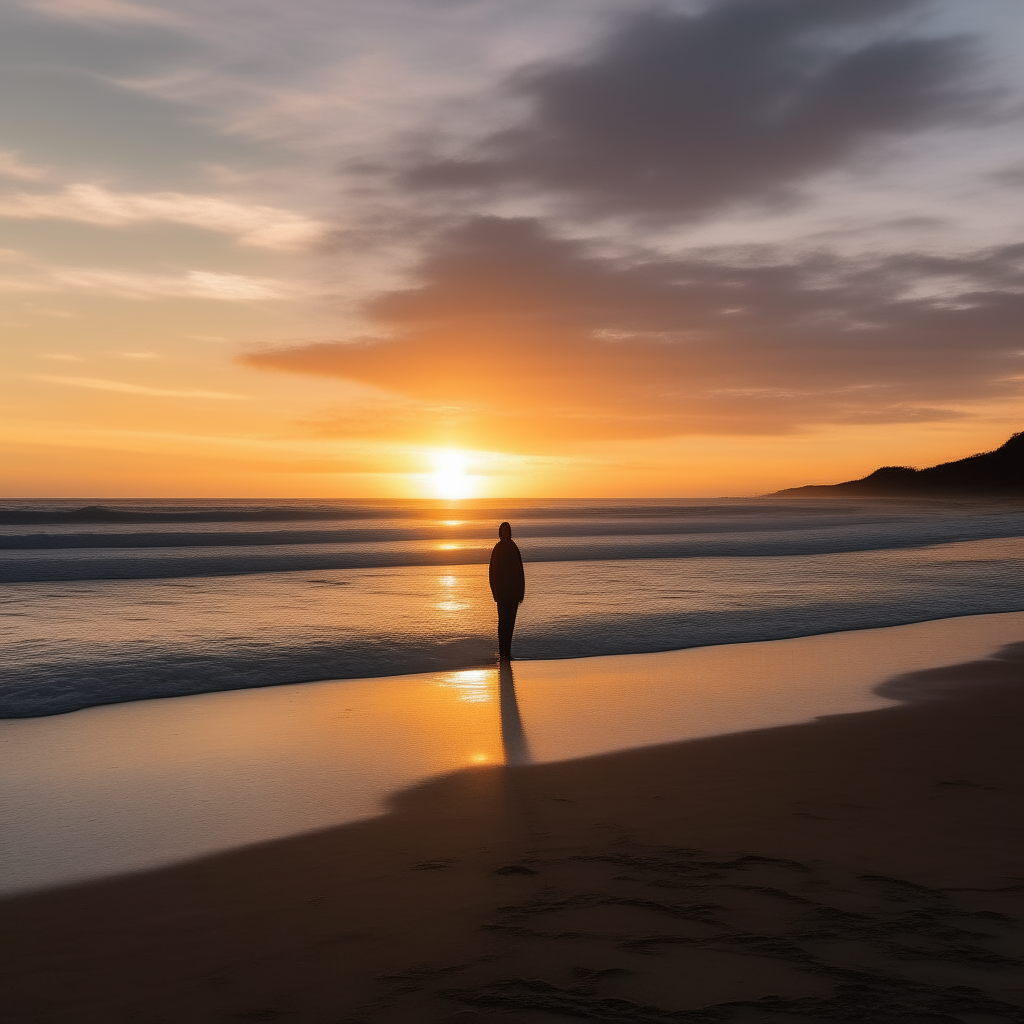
(989, 474)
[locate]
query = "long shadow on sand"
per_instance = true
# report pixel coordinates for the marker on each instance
(513, 737)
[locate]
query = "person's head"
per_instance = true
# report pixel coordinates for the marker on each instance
(505, 531)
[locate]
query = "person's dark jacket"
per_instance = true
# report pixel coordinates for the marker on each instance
(508, 581)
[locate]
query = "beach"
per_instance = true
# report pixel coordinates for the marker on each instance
(862, 866)
(148, 783)
(512, 513)
(259, 763)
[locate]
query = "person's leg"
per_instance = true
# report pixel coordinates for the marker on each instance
(506, 624)
(510, 624)
(504, 633)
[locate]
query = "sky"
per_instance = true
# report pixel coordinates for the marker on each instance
(551, 248)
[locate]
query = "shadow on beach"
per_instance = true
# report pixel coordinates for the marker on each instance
(513, 738)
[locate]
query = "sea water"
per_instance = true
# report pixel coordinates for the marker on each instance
(128, 600)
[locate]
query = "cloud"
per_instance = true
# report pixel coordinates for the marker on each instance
(195, 284)
(628, 132)
(97, 384)
(681, 114)
(139, 285)
(12, 166)
(514, 338)
(114, 11)
(264, 226)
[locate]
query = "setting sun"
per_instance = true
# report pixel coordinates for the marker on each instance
(449, 478)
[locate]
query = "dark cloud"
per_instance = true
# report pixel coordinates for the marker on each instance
(1010, 177)
(519, 339)
(684, 113)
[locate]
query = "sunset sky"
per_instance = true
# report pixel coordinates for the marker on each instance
(543, 248)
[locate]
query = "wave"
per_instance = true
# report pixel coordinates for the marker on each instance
(243, 511)
(36, 565)
(404, 532)
(49, 514)
(117, 609)
(58, 688)
(62, 513)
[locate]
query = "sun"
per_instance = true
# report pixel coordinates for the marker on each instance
(449, 479)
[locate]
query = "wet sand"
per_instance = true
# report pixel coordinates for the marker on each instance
(864, 867)
(132, 787)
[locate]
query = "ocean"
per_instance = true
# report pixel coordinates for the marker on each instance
(116, 601)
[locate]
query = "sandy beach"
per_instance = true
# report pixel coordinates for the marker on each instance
(860, 867)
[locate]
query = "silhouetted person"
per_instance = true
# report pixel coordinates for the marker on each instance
(508, 587)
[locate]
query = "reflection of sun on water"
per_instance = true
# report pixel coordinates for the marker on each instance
(450, 602)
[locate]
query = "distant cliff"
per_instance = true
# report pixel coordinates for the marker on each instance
(990, 474)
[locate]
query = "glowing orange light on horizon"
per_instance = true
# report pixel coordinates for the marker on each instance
(450, 479)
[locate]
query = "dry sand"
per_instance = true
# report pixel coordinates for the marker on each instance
(862, 868)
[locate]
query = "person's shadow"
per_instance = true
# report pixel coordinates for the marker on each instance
(513, 738)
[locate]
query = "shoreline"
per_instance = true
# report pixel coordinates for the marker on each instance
(307, 626)
(123, 788)
(488, 663)
(865, 864)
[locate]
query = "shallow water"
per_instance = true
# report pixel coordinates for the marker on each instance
(131, 786)
(104, 604)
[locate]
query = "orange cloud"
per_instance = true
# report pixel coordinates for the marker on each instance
(513, 338)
